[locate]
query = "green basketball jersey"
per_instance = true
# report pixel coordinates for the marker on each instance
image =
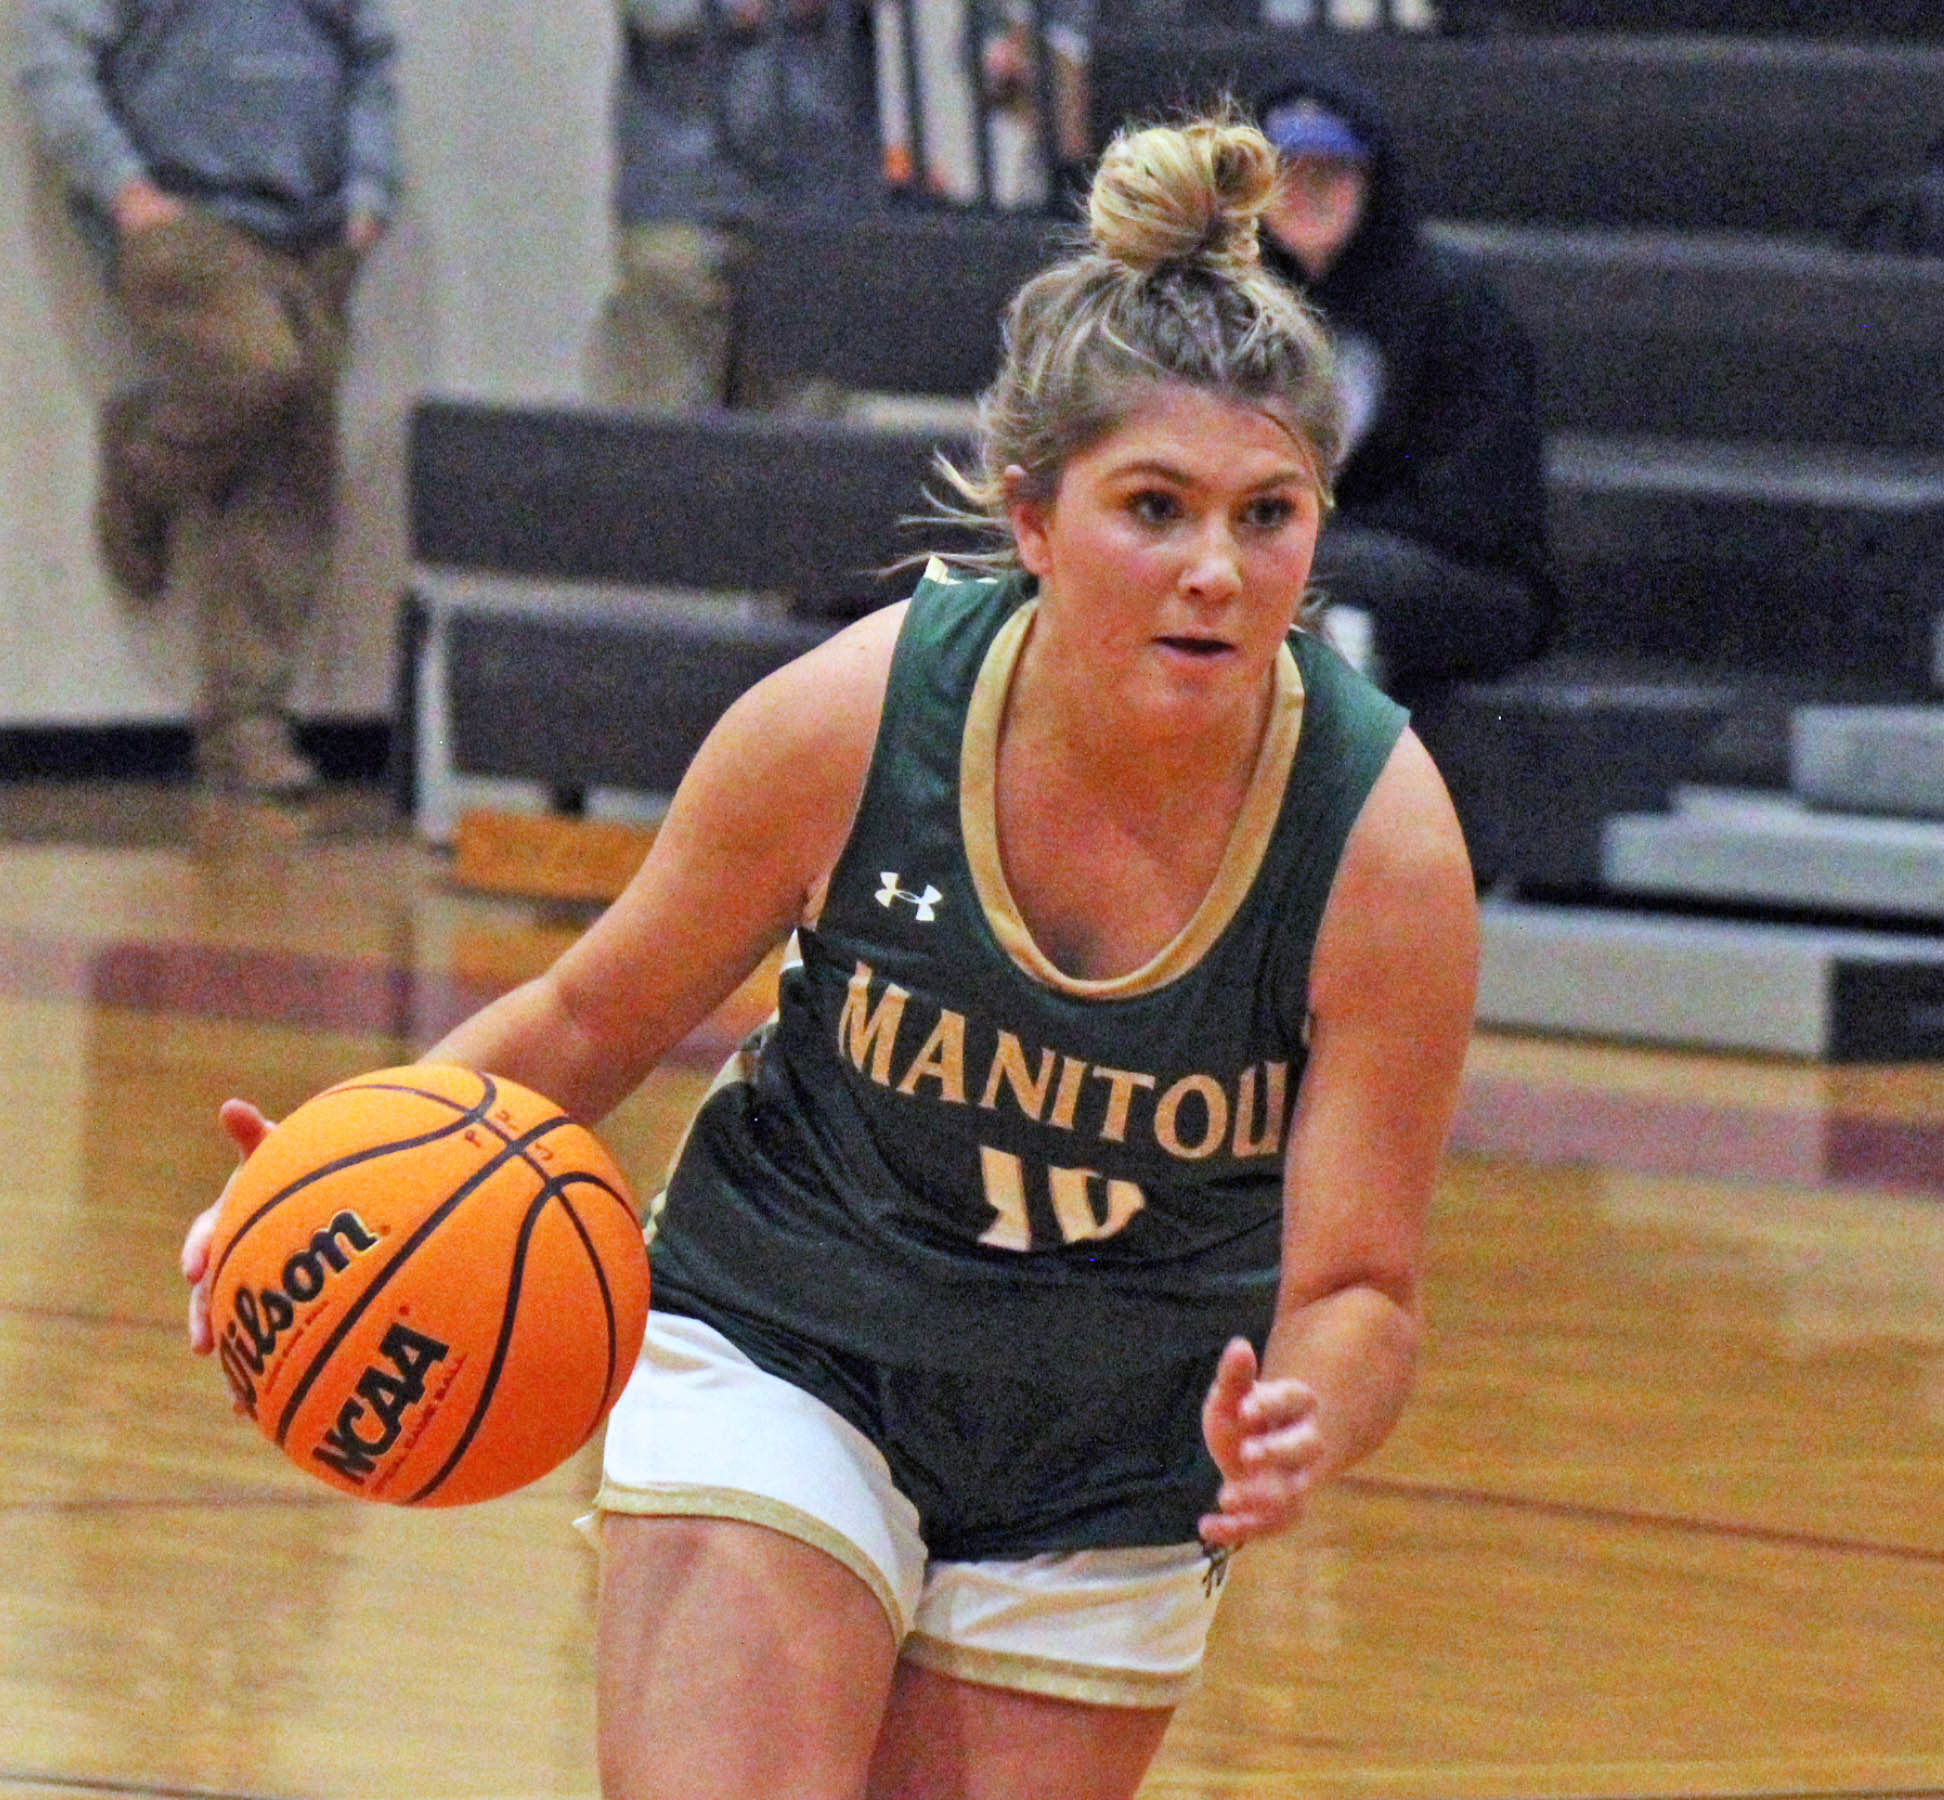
(947, 1156)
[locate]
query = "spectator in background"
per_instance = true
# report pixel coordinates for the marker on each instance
(723, 107)
(232, 160)
(1435, 561)
(1010, 54)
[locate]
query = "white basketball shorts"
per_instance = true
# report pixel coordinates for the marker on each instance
(701, 1431)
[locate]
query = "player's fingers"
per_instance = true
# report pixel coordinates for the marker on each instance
(1219, 1532)
(1271, 1405)
(247, 1128)
(1290, 1447)
(1235, 1525)
(1270, 1491)
(1231, 1530)
(1237, 1368)
(201, 1339)
(1221, 1423)
(1235, 1373)
(246, 1125)
(195, 1243)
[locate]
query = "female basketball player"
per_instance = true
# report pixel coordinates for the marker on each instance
(1064, 1230)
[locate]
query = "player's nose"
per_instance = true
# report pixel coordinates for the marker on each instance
(1212, 572)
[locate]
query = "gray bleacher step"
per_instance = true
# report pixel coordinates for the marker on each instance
(1682, 335)
(1767, 849)
(522, 681)
(1849, 21)
(1780, 989)
(1789, 558)
(1682, 132)
(1832, 477)
(1720, 335)
(1869, 759)
(1537, 761)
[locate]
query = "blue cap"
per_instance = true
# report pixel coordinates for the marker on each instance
(1303, 128)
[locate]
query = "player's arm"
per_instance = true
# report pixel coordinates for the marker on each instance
(754, 829)
(1392, 988)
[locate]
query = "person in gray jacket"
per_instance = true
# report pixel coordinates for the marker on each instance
(232, 161)
(725, 109)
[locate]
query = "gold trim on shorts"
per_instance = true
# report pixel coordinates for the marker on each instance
(1049, 1676)
(686, 1501)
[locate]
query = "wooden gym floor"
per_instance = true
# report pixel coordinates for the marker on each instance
(1666, 1518)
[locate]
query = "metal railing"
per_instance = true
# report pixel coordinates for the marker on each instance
(1307, 15)
(969, 101)
(956, 132)
(979, 104)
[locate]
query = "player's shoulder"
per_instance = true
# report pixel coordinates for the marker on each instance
(832, 692)
(1403, 907)
(1408, 830)
(841, 684)
(802, 736)
(810, 728)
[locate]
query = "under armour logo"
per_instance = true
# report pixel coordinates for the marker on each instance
(924, 906)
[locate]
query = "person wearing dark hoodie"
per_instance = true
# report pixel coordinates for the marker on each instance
(1434, 562)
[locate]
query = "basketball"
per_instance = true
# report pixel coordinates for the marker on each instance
(428, 1285)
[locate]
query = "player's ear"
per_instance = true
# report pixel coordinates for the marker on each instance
(1030, 510)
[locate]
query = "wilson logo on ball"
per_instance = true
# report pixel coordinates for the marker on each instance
(262, 1316)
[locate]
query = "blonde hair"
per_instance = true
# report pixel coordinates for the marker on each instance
(1168, 287)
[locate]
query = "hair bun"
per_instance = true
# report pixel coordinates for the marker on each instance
(1192, 193)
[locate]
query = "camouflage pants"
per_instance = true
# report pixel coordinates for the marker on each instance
(230, 443)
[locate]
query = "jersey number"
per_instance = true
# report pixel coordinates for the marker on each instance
(1073, 1195)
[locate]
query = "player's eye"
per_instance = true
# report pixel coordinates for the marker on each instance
(1154, 506)
(1268, 512)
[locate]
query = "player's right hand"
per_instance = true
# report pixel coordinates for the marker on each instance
(1263, 1434)
(247, 1128)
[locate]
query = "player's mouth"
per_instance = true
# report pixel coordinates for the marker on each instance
(1202, 648)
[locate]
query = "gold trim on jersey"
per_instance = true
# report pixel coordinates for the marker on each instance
(939, 570)
(755, 1509)
(1048, 1675)
(1241, 859)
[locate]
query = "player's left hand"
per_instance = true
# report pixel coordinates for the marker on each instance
(247, 1128)
(1265, 1439)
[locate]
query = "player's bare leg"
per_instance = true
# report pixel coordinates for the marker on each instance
(735, 1662)
(946, 1739)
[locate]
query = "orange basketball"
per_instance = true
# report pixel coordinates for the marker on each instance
(429, 1285)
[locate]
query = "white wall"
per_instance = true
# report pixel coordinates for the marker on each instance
(490, 286)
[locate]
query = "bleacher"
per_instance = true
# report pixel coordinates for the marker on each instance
(1711, 815)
